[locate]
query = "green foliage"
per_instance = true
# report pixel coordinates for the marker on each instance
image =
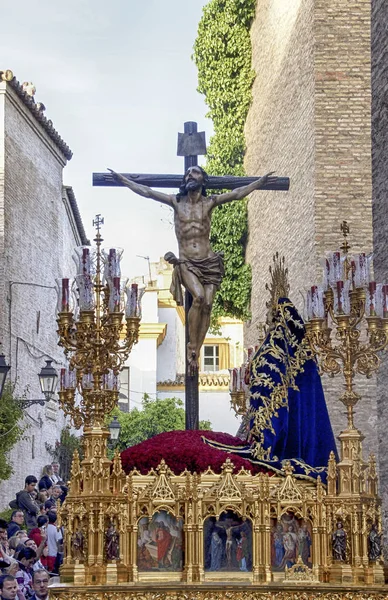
(156, 416)
(11, 428)
(6, 514)
(222, 53)
(63, 451)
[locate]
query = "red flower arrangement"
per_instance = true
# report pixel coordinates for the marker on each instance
(184, 450)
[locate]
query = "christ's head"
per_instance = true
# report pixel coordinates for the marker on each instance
(194, 179)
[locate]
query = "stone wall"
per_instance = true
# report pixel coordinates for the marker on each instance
(37, 237)
(310, 120)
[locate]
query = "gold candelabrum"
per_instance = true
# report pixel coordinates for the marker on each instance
(97, 328)
(347, 327)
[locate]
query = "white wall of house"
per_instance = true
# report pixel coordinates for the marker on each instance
(213, 407)
(38, 232)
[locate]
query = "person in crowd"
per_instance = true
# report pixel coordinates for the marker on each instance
(45, 482)
(39, 532)
(55, 477)
(4, 546)
(34, 495)
(26, 558)
(21, 537)
(13, 543)
(12, 569)
(25, 502)
(40, 581)
(50, 505)
(56, 494)
(53, 537)
(38, 550)
(16, 522)
(42, 496)
(8, 587)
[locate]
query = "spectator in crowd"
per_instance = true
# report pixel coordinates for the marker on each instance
(42, 496)
(53, 537)
(39, 552)
(40, 581)
(56, 494)
(8, 587)
(16, 522)
(45, 482)
(4, 546)
(18, 544)
(26, 558)
(34, 495)
(36, 534)
(13, 543)
(25, 503)
(55, 477)
(13, 568)
(50, 505)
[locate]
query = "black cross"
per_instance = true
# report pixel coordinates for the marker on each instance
(191, 144)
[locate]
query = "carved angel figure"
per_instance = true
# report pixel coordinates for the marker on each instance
(77, 540)
(374, 543)
(339, 543)
(112, 543)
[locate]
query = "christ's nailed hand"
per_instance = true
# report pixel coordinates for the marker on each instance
(115, 176)
(267, 179)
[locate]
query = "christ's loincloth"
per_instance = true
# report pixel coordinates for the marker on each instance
(209, 271)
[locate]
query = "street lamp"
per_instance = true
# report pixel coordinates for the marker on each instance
(4, 368)
(48, 378)
(114, 430)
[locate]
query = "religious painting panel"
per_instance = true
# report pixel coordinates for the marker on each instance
(291, 537)
(228, 543)
(160, 543)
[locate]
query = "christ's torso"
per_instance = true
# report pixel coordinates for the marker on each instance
(192, 227)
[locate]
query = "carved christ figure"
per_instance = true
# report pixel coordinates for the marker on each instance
(198, 268)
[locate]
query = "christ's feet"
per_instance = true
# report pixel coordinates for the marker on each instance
(192, 363)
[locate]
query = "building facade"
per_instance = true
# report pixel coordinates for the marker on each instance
(39, 227)
(319, 116)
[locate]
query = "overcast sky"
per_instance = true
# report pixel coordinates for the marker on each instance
(118, 83)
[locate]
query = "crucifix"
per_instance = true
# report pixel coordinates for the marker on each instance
(197, 268)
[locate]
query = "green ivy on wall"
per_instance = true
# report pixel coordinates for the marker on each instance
(222, 54)
(11, 428)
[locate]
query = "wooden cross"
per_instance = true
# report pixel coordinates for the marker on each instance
(191, 144)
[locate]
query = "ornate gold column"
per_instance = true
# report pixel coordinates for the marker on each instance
(91, 317)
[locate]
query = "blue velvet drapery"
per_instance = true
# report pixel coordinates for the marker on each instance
(288, 417)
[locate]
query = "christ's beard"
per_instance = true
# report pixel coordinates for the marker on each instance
(193, 186)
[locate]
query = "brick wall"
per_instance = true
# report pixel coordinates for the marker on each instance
(380, 213)
(38, 243)
(310, 120)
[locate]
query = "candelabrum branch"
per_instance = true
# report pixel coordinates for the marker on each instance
(345, 353)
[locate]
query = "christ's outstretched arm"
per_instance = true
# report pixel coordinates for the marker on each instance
(143, 190)
(244, 191)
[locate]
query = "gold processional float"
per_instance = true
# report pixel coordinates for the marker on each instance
(115, 524)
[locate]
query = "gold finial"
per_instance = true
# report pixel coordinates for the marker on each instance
(345, 229)
(345, 247)
(287, 467)
(97, 222)
(279, 286)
